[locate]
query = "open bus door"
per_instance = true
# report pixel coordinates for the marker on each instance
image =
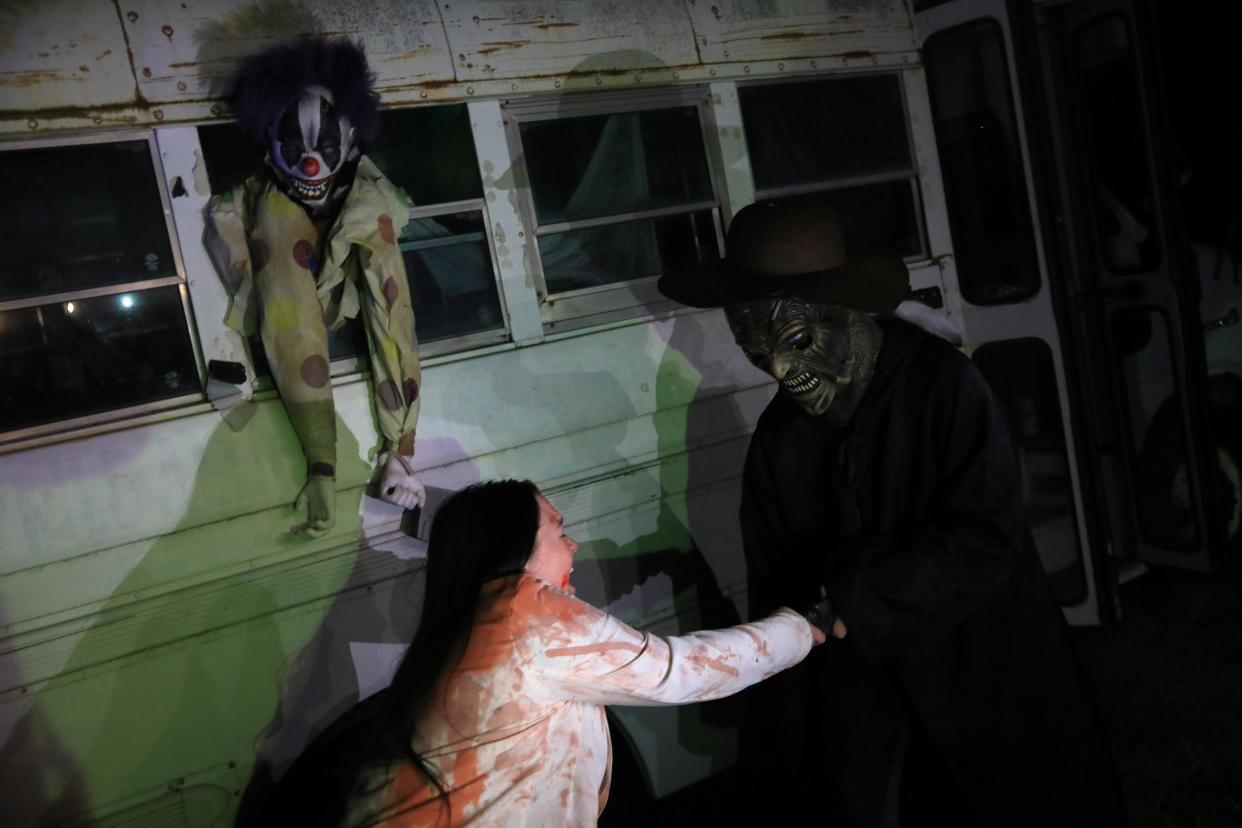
(1096, 267)
(1004, 277)
(1169, 434)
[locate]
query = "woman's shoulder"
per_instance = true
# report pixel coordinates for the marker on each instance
(550, 616)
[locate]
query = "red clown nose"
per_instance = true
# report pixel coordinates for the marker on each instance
(310, 167)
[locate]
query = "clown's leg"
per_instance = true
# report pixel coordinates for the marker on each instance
(296, 343)
(396, 374)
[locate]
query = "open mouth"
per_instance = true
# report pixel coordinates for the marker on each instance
(801, 383)
(310, 190)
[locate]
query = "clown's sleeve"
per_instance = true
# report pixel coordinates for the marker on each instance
(578, 652)
(375, 214)
(225, 238)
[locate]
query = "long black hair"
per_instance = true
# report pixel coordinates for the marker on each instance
(484, 531)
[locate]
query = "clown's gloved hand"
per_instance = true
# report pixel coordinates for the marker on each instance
(398, 485)
(318, 496)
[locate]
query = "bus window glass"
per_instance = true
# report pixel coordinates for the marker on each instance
(429, 153)
(93, 313)
(980, 157)
(1125, 208)
(1160, 474)
(89, 355)
(449, 266)
(619, 196)
(845, 139)
(87, 216)
(1021, 374)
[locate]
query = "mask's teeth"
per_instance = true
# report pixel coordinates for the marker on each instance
(801, 383)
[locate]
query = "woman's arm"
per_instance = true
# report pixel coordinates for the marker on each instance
(578, 652)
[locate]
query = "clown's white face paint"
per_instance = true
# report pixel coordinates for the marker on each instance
(552, 559)
(309, 145)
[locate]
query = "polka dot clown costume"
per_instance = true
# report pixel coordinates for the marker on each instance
(311, 244)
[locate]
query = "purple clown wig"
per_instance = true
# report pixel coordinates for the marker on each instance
(268, 82)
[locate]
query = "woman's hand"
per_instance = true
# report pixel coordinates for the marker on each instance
(817, 636)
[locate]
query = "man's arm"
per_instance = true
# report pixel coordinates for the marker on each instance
(770, 582)
(904, 587)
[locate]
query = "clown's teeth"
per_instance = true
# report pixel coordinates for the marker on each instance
(801, 383)
(307, 190)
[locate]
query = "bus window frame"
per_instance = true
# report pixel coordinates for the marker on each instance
(620, 302)
(70, 427)
(912, 174)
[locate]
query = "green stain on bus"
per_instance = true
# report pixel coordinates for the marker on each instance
(191, 679)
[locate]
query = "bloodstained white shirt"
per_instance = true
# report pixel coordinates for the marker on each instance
(517, 727)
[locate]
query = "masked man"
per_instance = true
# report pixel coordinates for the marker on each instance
(883, 473)
(310, 244)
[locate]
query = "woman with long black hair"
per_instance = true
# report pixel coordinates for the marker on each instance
(495, 716)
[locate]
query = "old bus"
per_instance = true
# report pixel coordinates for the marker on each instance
(162, 628)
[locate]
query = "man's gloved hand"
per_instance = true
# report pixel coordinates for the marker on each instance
(821, 615)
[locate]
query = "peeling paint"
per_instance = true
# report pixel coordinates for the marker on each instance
(177, 54)
(202, 186)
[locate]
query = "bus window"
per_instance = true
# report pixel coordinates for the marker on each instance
(1161, 477)
(93, 309)
(617, 197)
(1125, 208)
(845, 140)
(977, 138)
(429, 153)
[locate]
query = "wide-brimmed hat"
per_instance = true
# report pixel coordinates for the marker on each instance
(792, 248)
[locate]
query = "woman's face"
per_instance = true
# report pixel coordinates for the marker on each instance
(552, 559)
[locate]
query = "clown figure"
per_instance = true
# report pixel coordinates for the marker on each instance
(311, 243)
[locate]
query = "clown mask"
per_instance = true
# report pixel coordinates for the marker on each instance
(822, 355)
(309, 146)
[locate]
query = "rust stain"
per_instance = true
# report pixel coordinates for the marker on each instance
(32, 77)
(118, 114)
(791, 35)
(495, 46)
(168, 31)
(564, 25)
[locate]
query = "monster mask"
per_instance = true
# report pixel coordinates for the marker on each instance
(310, 145)
(823, 356)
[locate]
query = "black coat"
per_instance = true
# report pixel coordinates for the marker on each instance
(912, 516)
